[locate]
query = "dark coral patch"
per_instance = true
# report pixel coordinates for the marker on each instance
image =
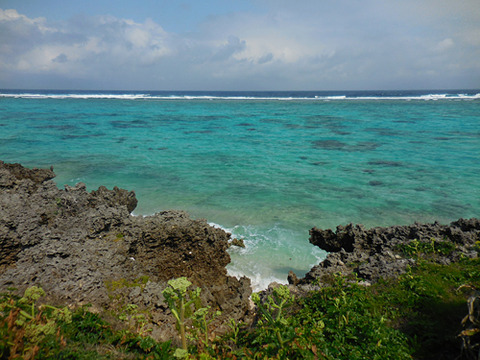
(329, 144)
(386, 163)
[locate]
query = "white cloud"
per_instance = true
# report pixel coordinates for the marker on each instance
(11, 15)
(444, 45)
(105, 43)
(301, 45)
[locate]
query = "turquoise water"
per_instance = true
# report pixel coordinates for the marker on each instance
(268, 168)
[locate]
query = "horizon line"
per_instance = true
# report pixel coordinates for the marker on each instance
(184, 90)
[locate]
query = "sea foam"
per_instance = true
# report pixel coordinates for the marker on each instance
(269, 255)
(255, 96)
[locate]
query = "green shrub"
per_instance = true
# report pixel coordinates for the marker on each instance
(418, 315)
(416, 248)
(31, 331)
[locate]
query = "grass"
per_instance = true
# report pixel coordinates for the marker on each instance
(417, 316)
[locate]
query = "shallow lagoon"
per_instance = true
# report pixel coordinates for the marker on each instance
(268, 168)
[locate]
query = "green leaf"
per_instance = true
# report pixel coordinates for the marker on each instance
(180, 285)
(34, 293)
(181, 353)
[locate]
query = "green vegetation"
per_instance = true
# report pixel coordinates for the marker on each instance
(432, 248)
(417, 316)
(32, 331)
(278, 331)
(119, 237)
(114, 285)
(181, 307)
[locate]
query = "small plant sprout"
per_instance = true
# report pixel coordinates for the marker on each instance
(28, 324)
(31, 295)
(136, 320)
(176, 297)
(235, 328)
(272, 309)
(201, 322)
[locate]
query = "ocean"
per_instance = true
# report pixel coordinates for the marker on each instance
(265, 166)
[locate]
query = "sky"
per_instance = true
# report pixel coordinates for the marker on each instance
(239, 44)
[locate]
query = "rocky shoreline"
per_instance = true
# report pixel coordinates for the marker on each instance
(381, 252)
(85, 247)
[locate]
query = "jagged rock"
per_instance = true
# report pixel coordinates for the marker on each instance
(376, 253)
(346, 237)
(115, 196)
(237, 242)
(86, 247)
(292, 278)
(12, 174)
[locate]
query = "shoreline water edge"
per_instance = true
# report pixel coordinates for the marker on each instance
(86, 247)
(266, 166)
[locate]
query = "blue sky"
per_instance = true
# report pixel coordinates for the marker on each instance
(240, 44)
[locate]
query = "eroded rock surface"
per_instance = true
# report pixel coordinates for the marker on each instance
(86, 247)
(380, 252)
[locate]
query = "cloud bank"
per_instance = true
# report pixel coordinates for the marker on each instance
(327, 45)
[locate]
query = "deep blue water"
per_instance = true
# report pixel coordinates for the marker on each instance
(267, 166)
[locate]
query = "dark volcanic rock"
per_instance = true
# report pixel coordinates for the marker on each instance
(14, 173)
(376, 253)
(117, 196)
(344, 238)
(86, 247)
